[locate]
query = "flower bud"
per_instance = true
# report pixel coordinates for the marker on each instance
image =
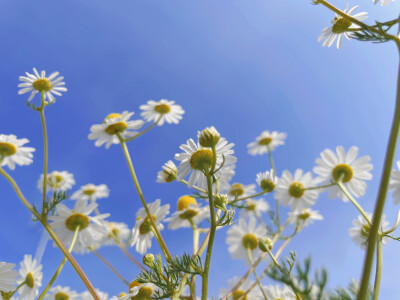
(209, 137)
(148, 259)
(265, 244)
(220, 201)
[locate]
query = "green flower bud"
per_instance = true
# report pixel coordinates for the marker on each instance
(148, 259)
(265, 244)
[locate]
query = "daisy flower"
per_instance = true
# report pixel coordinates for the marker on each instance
(114, 125)
(140, 291)
(254, 208)
(331, 167)
(394, 184)
(266, 141)
(267, 180)
(197, 159)
(360, 232)
(92, 192)
(237, 190)
(340, 27)
(306, 216)
(142, 233)
(39, 83)
(30, 272)
(164, 110)
(66, 221)
(255, 293)
(278, 292)
(188, 213)
(116, 230)
(8, 277)
(86, 295)
(243, 236)
(61, 293)
(383, 2)
(57, 181)
(11, 152)
(168, 172)
(291, 189)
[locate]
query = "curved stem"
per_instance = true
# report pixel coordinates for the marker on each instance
(144, 131)
(9, 296)
(248, 197)
(194, 187)
(380, 203)
(139, 190)
(354, 201)
(394, 226)
(255, 273)
(378, 273)
(53, 235)
(319, 187)
(61, 266)
(45, 149)
(109, 265)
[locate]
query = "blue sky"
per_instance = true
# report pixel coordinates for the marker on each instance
(242, 66)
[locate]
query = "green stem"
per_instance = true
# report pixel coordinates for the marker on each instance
(255, 273)
(319, 187)
(271, 161)
(61, 266)
(194, 187)
(213, 228)
(144, 131)
(387, 169)
(395, 224)
(354, 201)
(109, 265)
(378, 273)
(53, 235)
(125, 251)
(139, 190)
(248, 197)
(45, 150)
(9, 296)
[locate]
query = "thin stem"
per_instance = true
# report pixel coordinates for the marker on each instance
(319, 187)
(394, 226)
(61, 266)
(127, 254)
(248, 197)
(271, 161)
(255, 273)
(380, 203)
(195, 248)
(139, 190)
(18, 287)
(194, 187)
(354, 201)
(108, 264)
(144, 131)
(378, 273)
(213, 228)
(45, 149)
(53, 235)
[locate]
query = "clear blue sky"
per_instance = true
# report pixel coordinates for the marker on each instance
(242, 66)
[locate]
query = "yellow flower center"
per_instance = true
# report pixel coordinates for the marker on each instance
(341, 25)
(146, 226)
(344, 171)
(237, 294)
(296, 189)
(267, 185)
(89, 192)
(250, 241)
(162, 108)
(265, 141)
(144, 293)
(201, 159)
(189, 214)
(113, 115)
(169, 175)
(365, 230)
(236, 189)
(7, 149)
(61, 296)
(75, 220)
(185, 201)
(30, 281)
(251, 206)
(42, 85)
(304, 215)
(116, 128)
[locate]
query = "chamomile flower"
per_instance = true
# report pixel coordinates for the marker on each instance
(166, 111)
(142, 232)
(197, 159)
(267, 180)
(244, 236)
(331, 167)
(116, 231)
(92, 192)
(39, 83)
(255, 293)
(12, 153)
(57, 181)
(30, 272)
(394, 184)
(91, 228)
(188, 213)
(140, 291)
(61, 293)
(383, 2)
(278, 292)
(305, 216)
(360, 232)
(238, 190)
(266, 141)
(254, 207)
(114, 124)
(168, 172)
(340, 27)
(86, 295)
(291, 189)
(8, 277)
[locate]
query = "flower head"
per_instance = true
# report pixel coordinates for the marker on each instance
(254, 207)
(394, 184)
(164, 110)
(267, 180)
(91, 192)
(39, 83)
(139, 291)
(340, 27)
(8, 277)
(304, 216)
(116, 231)
(168, 172)
(266, 141)
(278, 292)
(12, 152)
(247, 284)
(57, 181)
(61, 293)
(30, 272)
(114, 125)
(238, 190)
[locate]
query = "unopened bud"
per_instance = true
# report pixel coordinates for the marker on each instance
(209, 137)
(220, 201)
(265, 244)
(148, 259)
